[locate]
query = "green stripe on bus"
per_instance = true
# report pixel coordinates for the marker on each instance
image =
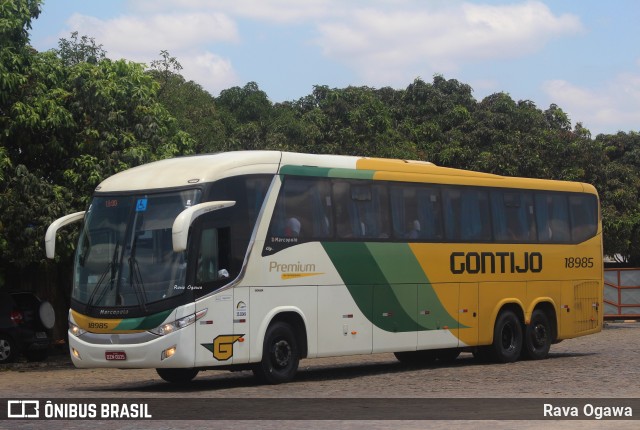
(144, 323)
(326, 172)
(383, 280)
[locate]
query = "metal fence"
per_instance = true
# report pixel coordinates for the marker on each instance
(622, 293)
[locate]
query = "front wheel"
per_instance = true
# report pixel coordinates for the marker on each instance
(177, 376)
(507, 338)
(537, 339)
(280, 355)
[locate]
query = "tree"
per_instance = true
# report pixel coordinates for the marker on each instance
(194, 108)
(70, 117)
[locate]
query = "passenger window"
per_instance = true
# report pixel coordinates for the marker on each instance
(416, 212)
(466, 214)
(362, 210)
(303, 210)
(584, 217)
(552, 218)
(513, 216)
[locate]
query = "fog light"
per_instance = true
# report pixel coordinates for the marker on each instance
(76, 354)
(167, 353)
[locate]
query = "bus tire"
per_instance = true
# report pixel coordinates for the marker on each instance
(177, 376)
(507, 338)
(414, 358)
(280, 355)
(537, 337)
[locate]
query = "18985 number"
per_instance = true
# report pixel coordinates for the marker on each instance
(578, 262)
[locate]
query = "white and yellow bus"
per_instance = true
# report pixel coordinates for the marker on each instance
(257, 259)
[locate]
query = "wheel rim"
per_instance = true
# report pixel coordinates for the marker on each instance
(5, 349)
(281, 353)
(539, 335)
(508, 338)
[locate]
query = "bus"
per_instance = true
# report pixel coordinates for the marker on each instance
(257, 259)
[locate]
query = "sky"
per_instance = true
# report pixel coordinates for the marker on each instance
(582, 55)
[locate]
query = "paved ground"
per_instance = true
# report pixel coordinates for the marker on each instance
(605, 365)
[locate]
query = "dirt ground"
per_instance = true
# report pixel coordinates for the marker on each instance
(605, 365)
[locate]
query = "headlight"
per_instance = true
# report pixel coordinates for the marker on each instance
(176, 325)
(75, 330)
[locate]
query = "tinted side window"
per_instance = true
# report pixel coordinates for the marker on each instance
(513, 216)
(552, 218)
(584, 217)
(303, 209)
(466, 214)
(213, 257)
(416, 212)
(362, 210)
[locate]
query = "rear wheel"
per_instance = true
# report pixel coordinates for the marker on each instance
(507, 338)
(8, 349)
(537, 339)
(177, 376)
(280, 355)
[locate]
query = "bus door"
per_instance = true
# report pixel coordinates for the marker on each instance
(210, 258)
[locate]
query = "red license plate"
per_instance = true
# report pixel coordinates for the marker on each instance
(115, 355)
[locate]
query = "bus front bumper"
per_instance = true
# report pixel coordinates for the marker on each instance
(174, 350)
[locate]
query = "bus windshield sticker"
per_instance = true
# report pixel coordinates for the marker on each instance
(141, 205)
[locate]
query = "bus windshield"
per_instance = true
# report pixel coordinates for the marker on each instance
(125, 256)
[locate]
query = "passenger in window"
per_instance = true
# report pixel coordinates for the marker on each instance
(414, 229)
(292, 227)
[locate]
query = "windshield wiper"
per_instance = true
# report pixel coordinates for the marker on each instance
(136, 282)
(114, 270)
(135, 276)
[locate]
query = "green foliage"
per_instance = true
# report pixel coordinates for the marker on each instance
(71, 117)
(15, 23)
(193, 108)
(75, 118)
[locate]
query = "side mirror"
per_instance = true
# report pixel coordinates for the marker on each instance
(180, 229)
(50, 236)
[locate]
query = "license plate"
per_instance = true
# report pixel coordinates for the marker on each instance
(115, 355)
(41, 335)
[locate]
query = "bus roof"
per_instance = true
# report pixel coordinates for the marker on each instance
(197, 169)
